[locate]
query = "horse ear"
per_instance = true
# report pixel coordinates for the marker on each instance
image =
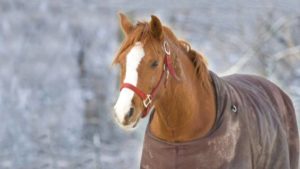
(126, 24)
(156, 27)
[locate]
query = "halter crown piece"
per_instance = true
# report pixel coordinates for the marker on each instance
(168, 69)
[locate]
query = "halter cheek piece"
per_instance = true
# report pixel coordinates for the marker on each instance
(168, 69)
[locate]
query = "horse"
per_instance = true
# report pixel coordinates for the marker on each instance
(199, 120)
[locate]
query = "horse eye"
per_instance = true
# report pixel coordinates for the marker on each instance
(154, 64)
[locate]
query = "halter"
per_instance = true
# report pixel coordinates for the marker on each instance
(167, 69)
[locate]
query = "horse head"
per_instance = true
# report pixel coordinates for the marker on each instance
(145, 63)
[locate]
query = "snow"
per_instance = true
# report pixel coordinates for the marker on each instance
(58, 87)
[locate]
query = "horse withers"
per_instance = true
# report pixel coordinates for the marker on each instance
(200, 120)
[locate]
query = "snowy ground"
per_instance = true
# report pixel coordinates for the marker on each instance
(57, 85)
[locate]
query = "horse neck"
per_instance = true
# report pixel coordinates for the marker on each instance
(186, 109)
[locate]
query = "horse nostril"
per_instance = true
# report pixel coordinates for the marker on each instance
(130, 113)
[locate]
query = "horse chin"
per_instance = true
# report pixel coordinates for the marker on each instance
(129, 127)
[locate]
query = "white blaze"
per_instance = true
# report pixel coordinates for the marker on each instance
(133, 60)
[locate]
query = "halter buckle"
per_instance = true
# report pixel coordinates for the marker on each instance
(147, 101)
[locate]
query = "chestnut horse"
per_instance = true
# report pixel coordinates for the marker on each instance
(199, 120)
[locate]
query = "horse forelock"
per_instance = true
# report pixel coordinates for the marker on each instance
(139, 34)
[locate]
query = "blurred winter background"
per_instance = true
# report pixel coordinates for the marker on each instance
(57, 85)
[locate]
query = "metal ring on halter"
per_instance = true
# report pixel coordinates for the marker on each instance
(166, 48)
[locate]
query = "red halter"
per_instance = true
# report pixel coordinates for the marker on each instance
(148, 98)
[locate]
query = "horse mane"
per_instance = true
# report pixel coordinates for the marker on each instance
(198, 60)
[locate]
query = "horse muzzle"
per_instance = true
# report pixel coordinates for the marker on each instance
(126, 119)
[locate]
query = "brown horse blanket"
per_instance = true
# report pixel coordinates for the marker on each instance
(255, 128)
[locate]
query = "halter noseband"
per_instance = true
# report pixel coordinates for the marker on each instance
(148, 98)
